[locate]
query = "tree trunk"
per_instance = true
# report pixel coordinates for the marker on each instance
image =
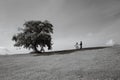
(35, 49)
(42, 49)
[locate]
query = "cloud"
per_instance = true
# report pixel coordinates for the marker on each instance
(110, 42)
(4, 51)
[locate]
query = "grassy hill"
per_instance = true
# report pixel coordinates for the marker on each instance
(88, 64)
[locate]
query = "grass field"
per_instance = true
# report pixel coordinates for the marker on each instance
(91, 64)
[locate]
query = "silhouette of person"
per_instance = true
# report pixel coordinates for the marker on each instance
(80, 44)
(77, 45)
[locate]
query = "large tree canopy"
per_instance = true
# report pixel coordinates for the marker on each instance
(34, 34)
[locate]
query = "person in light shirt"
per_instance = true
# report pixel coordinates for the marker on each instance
(77, 45)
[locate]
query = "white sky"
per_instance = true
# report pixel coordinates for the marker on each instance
(93, 21)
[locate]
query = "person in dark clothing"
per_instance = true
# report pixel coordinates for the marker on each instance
(80, 44)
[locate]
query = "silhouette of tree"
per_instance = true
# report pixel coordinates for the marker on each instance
(35, 34)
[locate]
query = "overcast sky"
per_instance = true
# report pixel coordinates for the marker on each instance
(95, 22)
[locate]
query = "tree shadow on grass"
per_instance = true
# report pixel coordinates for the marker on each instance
(62, 52)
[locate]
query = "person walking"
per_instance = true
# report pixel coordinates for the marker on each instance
(81, 44)
(77, 45)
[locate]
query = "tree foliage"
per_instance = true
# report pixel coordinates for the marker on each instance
(34, 34)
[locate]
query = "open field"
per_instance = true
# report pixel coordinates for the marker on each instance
(91, 64)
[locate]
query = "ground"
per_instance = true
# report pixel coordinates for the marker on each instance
(93, 64)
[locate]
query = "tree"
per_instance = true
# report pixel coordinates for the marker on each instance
(35, 34)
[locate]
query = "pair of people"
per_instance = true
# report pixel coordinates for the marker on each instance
(78, 46)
